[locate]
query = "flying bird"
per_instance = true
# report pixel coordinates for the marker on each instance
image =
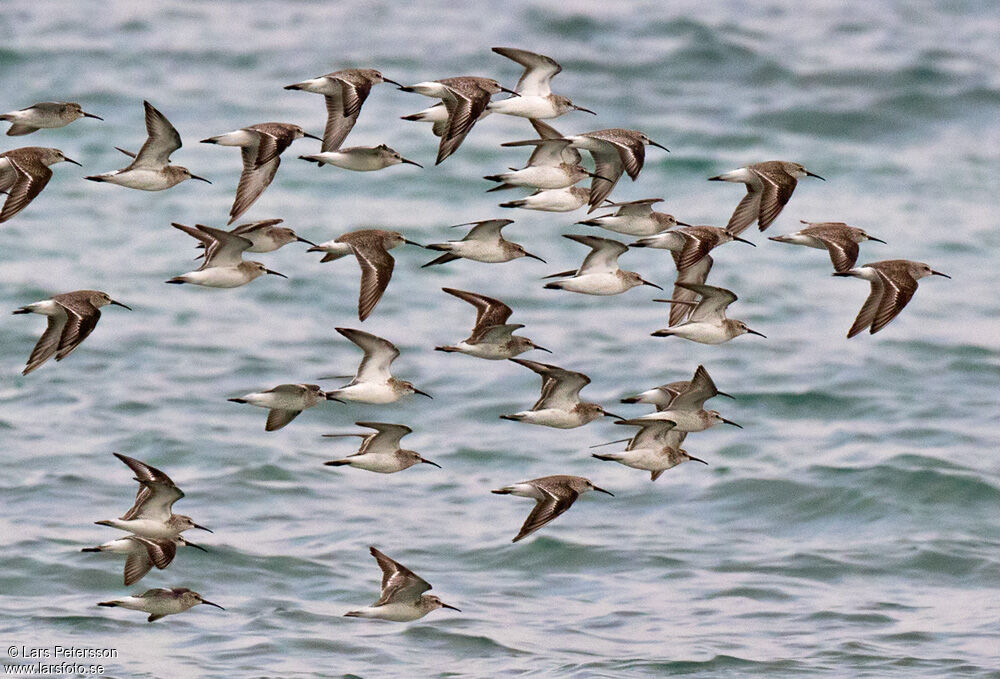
(837, 238)
(24, 172)
(465, 98)
(699, 241)
(371, 248)
(635, 218)
(554, 164)
(707, 323)
(403, 598)
(665, 394)
(160, 602)
(655, 448)
(223, 265)
(380, 451)
(360, 158)
(285, 402)
(345, 92)
(141, 554)
(686, 410)
(150, 169)
(559, 405)
(553, 495)
(151, 515)
(893, 282)
(483, 243)
(599, 274)
(260, 147)
(264, 235)
(769, 186)
(552, 200)
(44, 114)
(72, 316)
(373, 382)
(534, 94)
(492, 337)
(615, 151)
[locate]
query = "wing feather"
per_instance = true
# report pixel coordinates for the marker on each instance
(31, 176)
(376, 270)
(545, 510)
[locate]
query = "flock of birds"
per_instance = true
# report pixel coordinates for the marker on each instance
(553, 170)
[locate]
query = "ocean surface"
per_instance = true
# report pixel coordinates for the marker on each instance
(851, 529)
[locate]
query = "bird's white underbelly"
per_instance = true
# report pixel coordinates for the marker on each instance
(595, 284)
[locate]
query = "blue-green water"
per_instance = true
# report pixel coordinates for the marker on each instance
(851, 529)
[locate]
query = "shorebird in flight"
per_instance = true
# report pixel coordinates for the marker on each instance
(893, 283)
(371, 248)
(150, 169)
(402, 598)
(345, 92)
(24, 172)
(837, 238)
(553, 495)
(44, 114)
(769, 186)
(559, 405)
(160, 602)
(261, 146)
(72, 316)
(380, 451)
(492, 337)
(151, 514)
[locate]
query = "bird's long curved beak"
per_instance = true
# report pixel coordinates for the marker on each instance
(938, 273)
(504, 89)
(444, 605)
(535, 346)
(391, 82)
(810, 174)
(410, 242)
(654, 285)
(722, 393)
(70, 160)
(275, 273)
(604, 491)
(877, 240)
(330, 397)
(607, 414)
(528, 254)
(188, 543)
(90, 115)
(201, 179)
(744, 240)
(422, 393)
(681, 223)
(194, 525)
(659, 146)
(409, 162)
(120, 304)
(697, 459)
(580, 108)
(429, 462)
(311, 136)
(754, 332)
(209, 603)
(303, 240)
(731, 422)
